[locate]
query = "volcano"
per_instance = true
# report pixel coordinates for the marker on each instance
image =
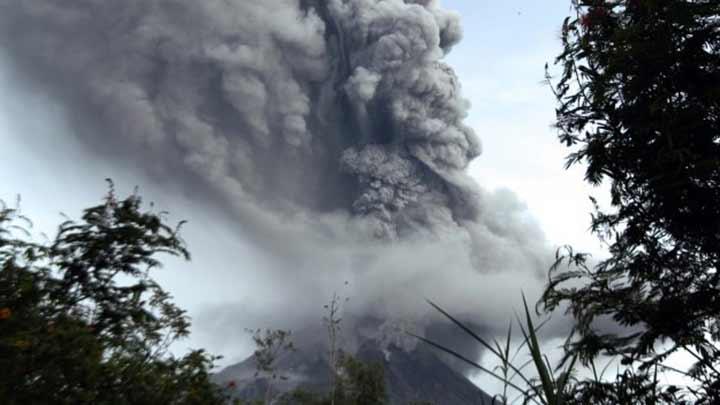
(328, 135)
(415, 376)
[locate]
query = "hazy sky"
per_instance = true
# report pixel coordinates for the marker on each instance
(500, 64)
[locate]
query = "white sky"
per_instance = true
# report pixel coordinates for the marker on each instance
(500, 64)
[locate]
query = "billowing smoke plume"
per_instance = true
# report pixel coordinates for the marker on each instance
(330, 130)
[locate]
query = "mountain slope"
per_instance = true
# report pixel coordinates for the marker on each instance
(417, 375)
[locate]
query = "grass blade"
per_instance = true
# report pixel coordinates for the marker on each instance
(466, 360)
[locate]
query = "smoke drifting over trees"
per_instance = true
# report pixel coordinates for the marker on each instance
(324, 129)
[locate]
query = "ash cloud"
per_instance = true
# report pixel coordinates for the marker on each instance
(330, 131)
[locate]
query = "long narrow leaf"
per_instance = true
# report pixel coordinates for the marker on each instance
(466, 360)
(534, 347)
(564, 379)
(479, 340)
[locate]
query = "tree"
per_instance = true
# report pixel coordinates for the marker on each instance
(352, 382)
(357, 383)
(83, 322)
(333, 323)
(270, 345)
(360, 383)
(639, 104)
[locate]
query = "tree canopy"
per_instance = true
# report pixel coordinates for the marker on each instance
(639, 105)
(83, 322)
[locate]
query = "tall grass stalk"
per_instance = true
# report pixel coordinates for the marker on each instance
(546, 389)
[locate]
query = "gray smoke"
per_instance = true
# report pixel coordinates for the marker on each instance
(310, 106)
(331, 131)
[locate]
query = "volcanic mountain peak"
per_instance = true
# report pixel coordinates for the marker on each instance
(416, 375)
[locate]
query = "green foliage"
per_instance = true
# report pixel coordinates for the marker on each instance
(639, 104)
(628, 388)
(358, 383)
(82, 321)
(551, 390)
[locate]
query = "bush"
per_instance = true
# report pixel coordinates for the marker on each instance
(83, 322)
